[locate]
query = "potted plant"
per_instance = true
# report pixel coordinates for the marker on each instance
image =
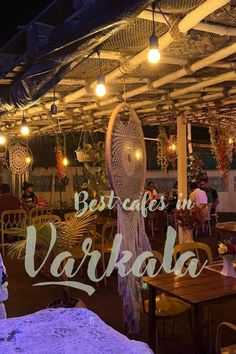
(69, 237)
(86, 153)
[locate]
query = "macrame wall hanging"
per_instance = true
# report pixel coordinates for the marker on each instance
(126, 166)
(18, 159)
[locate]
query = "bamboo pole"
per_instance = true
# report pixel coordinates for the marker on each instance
(182, 163)
(201, 26)
(165, 40)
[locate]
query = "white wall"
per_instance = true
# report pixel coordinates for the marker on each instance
(227, 198)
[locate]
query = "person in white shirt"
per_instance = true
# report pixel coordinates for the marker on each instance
(198, 196)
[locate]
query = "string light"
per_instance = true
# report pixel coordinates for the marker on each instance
(100, 88)
(28, 160)
(3, 140)
(65, 161)
(24, 128)
(153, 54)
(231, 141)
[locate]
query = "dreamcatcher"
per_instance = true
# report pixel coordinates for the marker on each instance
(126, 164)
(18, 158)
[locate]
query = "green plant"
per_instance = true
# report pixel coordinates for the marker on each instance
(96, 181)
(69, 236)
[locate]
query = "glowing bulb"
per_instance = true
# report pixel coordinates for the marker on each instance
(138, 154)
(2, 140)
(65, 161)
(231, 141)
(100, 88)
(173, 147)
(25, 130)
(154, 54)
(28, 160)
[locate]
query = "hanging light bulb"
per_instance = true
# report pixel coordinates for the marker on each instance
(24, 128)
(154, 54)
(3, 140)
(65, 161)
(54, 106)
(231, 141)
(100, 88)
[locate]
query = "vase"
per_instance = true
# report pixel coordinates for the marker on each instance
(185, 234)
(228, 268)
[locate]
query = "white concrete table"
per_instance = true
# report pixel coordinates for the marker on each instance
(64, 331)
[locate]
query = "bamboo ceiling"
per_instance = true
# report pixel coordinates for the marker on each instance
(195, 77)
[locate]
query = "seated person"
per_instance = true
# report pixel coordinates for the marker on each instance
(152, 192)
(28, 199)
(8, 201)
(212, 195)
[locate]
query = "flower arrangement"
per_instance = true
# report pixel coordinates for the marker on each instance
(189, 218)
(227, 248)
(222, 147)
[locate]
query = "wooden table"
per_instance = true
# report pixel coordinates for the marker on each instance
(226, 230)
(208, 287)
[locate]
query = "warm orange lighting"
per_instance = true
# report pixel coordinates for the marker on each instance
(28, 160)
(231, 141)
(65, 161)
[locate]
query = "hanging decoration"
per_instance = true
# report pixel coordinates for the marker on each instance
(166, 150)
(18, 158)
(162, 150)
(195, 166)
(222, 138)
(59, 159)
(126, 165)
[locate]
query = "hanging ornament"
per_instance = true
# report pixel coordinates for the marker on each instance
(59, 159)
(18, 158)
(126, 166)
(162, 150)
(222, 138)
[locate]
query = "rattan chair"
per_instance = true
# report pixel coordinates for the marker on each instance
(229, 349)
(195, 247)
(11, 222)
(104, 241)
(41, 219)
(39, 211)
(167, 307)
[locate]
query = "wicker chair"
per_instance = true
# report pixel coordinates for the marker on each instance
(39, 211)
(40, 219)
(229, 349)
(11, 221)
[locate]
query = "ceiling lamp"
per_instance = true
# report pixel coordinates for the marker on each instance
(24, 128)
(154, 54)
(100, 88)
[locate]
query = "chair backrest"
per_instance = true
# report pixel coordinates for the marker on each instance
(109, 230)
(221, 326)
(41, 219)
(13, 219)
(39, 211)
(207, 211)
(195, 247)
(67, 216)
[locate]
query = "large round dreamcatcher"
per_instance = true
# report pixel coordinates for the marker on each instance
(18, 158)
(126, 166)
